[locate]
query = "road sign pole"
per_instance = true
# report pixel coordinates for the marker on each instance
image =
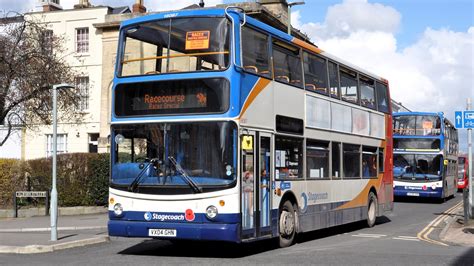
(469, 150)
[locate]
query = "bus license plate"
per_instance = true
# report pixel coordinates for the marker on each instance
(413, 194)
(162, 232)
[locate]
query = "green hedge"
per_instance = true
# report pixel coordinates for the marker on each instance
(82, 178)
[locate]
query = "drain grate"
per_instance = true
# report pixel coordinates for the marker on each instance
(468, 230)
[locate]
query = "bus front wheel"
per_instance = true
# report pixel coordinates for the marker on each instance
(287, 225)
(372, 209)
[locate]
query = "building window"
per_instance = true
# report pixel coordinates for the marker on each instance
(82, 40)
(47, 41)
(317, 160)
(61, 144)
(93, 142)
(82, 84)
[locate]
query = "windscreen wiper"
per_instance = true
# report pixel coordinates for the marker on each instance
(133, 186)
(185, 176)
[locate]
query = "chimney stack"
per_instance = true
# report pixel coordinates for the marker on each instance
(138, 7)
(48, 5)
(82, 4)
(277, 7)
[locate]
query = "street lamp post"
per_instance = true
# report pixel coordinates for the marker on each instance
(289, 13)
(54, 192)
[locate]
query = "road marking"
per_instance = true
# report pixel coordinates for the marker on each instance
(424, 234)
(407, 238)
(369, 235)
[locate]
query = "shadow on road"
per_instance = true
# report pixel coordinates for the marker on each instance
(467, 258)
(199, 249)
(207, 249)
(341, 229)
(422, 200)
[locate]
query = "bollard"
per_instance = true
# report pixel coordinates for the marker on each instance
(15, 206)
(465, 197)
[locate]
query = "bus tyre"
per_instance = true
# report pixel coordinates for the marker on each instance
(372, 209)
(287, 225)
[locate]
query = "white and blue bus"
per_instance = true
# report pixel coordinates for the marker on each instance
(425, 155)
(224, 128)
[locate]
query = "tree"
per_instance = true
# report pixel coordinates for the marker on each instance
(32, 59)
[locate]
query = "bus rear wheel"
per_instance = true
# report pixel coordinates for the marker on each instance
(372, 209)
(287, 225)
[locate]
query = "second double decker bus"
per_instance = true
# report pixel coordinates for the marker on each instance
(224, 128)
(425, 155)
(463, 172)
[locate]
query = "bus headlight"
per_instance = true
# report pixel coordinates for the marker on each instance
(118, 209)
(211, 212)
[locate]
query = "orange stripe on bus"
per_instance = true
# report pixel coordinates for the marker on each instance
(259, 86)
(307, 46)
(361, 199)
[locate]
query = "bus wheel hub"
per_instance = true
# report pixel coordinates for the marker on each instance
(287, 223)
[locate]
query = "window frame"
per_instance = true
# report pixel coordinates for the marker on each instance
(318, 145)
(300, 59)
(325, 67)
(269, 55)
(301, 158)
(78, 48)
(50, 143)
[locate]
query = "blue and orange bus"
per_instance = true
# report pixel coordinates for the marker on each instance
(224, 128)
(425, 155)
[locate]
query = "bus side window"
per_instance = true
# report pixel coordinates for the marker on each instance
(351, 161)
(315, 73)
(349, 91)
(255, 52)
(382, 97)
(367, 92)
(381, 160)
(336, 160)
(333, 75)
(287, 64)
(288, 158)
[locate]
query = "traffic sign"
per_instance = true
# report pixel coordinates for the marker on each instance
(468, 119)
(458, 119)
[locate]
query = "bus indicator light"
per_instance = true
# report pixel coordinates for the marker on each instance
(222, 203)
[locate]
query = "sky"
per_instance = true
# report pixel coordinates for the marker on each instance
(425, 48)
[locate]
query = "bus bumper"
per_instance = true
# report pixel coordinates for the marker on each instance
(428, 193)
(190, 231)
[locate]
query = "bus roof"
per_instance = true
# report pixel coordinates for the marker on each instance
(254, 22)
(441, 114)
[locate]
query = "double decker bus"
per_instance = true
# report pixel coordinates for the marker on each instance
(463, 172)
(425, 155)
(224, 128)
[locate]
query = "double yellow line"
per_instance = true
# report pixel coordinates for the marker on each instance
(424, 234)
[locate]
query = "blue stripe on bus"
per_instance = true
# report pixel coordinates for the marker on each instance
(402, 191)
(191, 231)
(199, 217)
(174, 14)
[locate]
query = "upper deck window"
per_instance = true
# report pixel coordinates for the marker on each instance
(176, 45)
(349, 86)
(367, 92)
(287, 63)
(255, 52)
(421, 125)
(315, 73)
(333, 80)
(382, 97)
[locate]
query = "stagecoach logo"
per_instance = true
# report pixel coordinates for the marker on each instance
(304, 199)
(147, 216)
(163, 217)
(171, 15)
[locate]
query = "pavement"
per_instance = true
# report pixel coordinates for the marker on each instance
(32, 234)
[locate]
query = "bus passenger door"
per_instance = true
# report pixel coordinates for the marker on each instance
(264, 182)
(256, 182)
(248, 162)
